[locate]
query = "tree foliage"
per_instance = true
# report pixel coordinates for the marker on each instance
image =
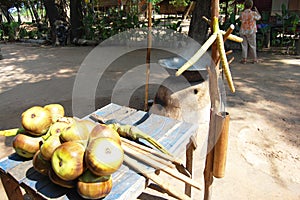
(85, 23)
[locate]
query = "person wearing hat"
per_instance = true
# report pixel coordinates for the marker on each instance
(248, 31)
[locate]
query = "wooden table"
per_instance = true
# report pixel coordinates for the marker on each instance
(176, 136)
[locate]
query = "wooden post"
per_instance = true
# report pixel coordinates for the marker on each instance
(148, 57)
(215, 103)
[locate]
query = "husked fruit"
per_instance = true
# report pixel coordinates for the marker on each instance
(91, 186)
(57, 111)
(36, 120)
(61, 124)
(26, 145)
(67, 160)
(89, 124)
(75, 132)
(40, 164)
(58, 181)
(104, 156)
(49, 146)
(101, 130)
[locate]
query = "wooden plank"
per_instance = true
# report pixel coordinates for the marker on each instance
(20, 171)
(108, 109)
(129, 186)
(182, 138)
(120, 114)
(11, 161)
(133, 118)
(114, 112)
(53, 191)
(35, 180)
(157, 126)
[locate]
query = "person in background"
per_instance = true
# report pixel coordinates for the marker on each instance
(248, 31)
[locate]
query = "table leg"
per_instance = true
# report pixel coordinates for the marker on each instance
(11, 187)
(189, 162)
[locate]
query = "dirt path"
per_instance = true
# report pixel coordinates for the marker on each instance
(264, 155)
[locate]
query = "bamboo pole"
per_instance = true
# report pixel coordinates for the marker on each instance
(140, 168)
(160, 165)
(150, 156)
(148, 57)
(153, 152)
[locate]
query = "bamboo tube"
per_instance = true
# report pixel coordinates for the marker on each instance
(220, 152)
(140, 168)
(160, 166)
(197, 55)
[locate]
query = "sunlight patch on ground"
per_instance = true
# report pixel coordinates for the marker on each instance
(269, 153)
(290, 61)
(11, 76)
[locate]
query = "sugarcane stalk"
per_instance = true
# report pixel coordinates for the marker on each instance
(152, 151)
(140, 168)
(132, 132)
(160, 166)
(149, 155)
(197, 55)
(224, 62)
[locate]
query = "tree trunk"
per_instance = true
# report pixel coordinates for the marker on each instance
(19, 16)
(198, 27)
(7, 15)
(35, 13)
(76, 19)
(30, 12)
(52, 13)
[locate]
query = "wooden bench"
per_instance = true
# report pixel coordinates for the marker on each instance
(176, 136)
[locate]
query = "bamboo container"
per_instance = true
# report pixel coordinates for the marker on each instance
(220, 149)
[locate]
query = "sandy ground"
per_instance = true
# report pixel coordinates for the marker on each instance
(263, 157)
